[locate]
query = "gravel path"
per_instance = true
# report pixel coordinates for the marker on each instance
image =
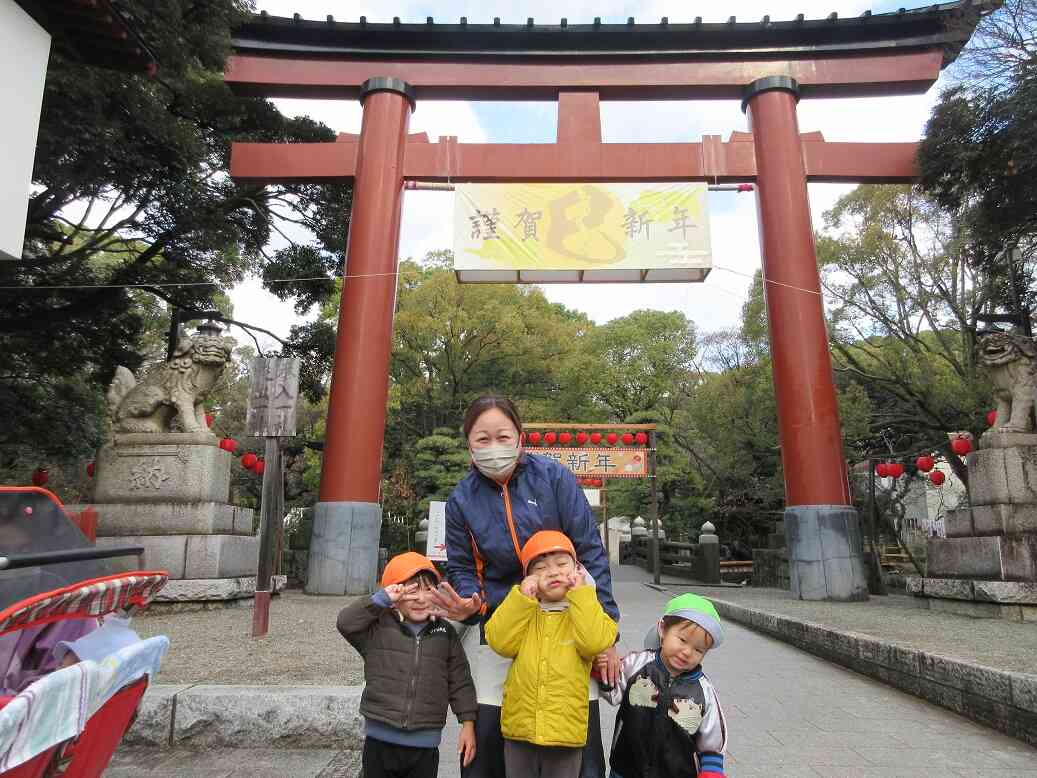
(1005, 645)
(302, 648)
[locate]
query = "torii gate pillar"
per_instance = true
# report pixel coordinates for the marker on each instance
(348, 519)
(821, 527)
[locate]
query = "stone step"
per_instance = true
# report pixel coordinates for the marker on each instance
(996, 558)
(170, 518)
(776, 540)
(194, 556)
(986, 520)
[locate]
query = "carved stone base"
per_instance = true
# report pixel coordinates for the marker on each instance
(995, 438)
(162, 468)
(170, 518)
(997, 519)
(194, 556)
(214, 589)
(1003, 476)
(999, 558)
(1011, 600)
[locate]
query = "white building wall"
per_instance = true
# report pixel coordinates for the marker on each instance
(24, 50)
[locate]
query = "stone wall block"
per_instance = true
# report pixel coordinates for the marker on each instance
(1024, 691)
(269, 717)
(988, 477)
(949, 588)
(154, 723)
(964, 558)
(1016, 592)
(1019, 557)
(958, 523)
(1021, 475)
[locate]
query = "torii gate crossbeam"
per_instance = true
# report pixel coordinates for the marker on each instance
(769, 66)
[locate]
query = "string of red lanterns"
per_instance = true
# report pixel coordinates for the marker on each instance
(582, 438)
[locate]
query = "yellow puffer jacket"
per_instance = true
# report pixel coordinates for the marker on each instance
(545, 695)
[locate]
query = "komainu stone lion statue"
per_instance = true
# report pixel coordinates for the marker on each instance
(177, 389)
(1011, 362)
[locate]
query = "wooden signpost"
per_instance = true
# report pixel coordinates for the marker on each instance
(271, 415)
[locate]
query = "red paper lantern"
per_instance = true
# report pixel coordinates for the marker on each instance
(882, 470)
(581, 438)
(534, 437)
(248, 461)
(209, 419)
(259, 467)
(937, 477)
(991, 418)
(612, 437)
(925, 463)
(895, 469)
(89, 469)
(564, 438)
(628, 439)
(550, 438)
(641, 438)
(40, 476)
(961, 446)
(595, 438)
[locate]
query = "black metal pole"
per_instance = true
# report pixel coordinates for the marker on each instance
(15, 561)
(876, 562)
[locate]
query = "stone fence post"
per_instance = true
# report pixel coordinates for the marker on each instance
(709, 555)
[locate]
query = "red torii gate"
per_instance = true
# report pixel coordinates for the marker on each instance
(769, 66)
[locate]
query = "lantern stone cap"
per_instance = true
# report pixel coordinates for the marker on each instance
(708, 528)
(639, 522)
(423, 524)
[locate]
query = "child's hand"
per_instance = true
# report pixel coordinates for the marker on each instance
(577, 577)
(529, 586)
(466, 743)
(396, 592)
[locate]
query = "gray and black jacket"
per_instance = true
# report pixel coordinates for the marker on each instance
(410, 678)
(666, 724)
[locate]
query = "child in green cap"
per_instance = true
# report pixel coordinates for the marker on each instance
(669, 715)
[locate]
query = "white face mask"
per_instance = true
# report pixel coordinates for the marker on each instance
(495, 461)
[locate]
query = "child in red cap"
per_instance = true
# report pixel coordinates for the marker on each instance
(553, 626)
(413, 665)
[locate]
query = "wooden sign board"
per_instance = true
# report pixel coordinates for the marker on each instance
(435, 543)
(599, 462)
(272, 397)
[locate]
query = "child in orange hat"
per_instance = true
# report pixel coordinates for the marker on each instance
(413, 664)
(552, 626)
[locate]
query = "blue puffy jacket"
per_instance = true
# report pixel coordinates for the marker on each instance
(482, 543)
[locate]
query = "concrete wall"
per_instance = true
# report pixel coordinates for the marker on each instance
(24, 50)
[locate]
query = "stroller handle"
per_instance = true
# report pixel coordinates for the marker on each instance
(15, 561)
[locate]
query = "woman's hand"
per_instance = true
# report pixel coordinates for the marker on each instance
(450, 604)
(607, 665)
(466, 743)
(529, 586)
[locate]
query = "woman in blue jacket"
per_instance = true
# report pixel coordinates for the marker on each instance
(507, 497)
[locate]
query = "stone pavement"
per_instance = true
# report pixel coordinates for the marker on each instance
(788, 712)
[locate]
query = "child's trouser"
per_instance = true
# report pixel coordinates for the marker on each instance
(388, 760)
(525, 760)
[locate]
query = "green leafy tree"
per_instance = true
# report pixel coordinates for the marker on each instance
(131, 192)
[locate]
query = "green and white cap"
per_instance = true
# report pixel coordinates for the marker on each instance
(693, 608)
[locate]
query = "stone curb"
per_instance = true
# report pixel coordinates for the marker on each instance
(202, 716)
(1003, 700)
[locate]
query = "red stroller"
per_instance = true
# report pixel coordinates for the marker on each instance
(64, 721)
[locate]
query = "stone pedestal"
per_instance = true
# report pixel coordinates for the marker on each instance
(987, 564)
(168, 492)
(825, 553)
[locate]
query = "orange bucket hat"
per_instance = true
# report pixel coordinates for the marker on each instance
(405, 566)
(546, 542)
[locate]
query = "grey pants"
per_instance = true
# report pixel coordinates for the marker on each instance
(525, 760)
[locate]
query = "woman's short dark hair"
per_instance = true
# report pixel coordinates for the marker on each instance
(485, 403)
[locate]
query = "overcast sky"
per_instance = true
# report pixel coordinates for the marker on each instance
(427, 216)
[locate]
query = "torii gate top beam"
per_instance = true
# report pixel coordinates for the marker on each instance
(895, 53)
